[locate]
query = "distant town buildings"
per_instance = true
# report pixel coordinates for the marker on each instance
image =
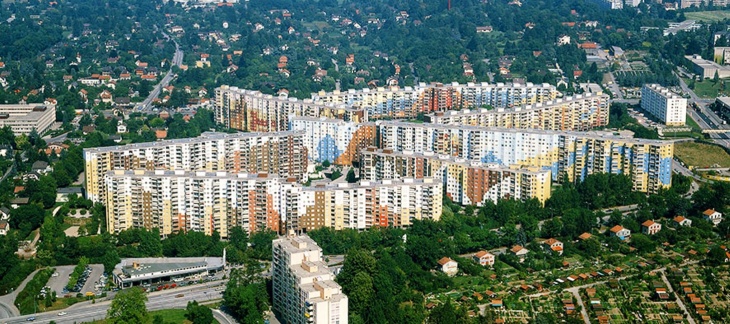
(303, 288)
(660, 102)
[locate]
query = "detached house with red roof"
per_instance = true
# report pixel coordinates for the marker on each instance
(712, 216)
(650, 227)
(620, 232)
(554, 245)
(484, 258)
(448, 266)
(682, 221)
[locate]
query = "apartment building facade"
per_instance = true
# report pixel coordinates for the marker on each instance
(279, 153)
(176, 201)
(426, 98)
(303, 288)
(660, 102)
(467, 183)
(578, 113)
(570, 156)
(253, 111)
(385, 203)
(181, 201)
(334, 140)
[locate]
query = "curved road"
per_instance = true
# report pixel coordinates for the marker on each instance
(7, 302)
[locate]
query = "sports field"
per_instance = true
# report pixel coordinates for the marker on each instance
(715, 15)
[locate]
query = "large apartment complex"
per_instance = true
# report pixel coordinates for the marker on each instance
(175, 201)
(578, 113)
(254, 111)
(385, 203)
(426, 98)
(570, 156)
(468, 183)
(280, 153)
(669, 108)
(304, 290)
(24, 118)
(334, 140)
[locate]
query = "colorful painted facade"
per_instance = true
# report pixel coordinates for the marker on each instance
(334, 140)
(280, 153)
(570, 156)
(467, 183)
(578, 113)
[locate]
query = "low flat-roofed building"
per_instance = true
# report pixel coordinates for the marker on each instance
(723, 105)
(24, 118)
(140, 271)
(706, 68)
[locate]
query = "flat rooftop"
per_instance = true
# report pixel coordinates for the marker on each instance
(163, 266)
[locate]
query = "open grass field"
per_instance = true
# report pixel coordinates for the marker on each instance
(709, 89)
(701, 155)
(715, 15)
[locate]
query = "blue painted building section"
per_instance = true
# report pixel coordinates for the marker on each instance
(665, 171)
(490, 157)
(647, 158)
(327, 149)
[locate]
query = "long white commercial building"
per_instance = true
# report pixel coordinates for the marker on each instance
(660, 102)
(304, 290)
(24, 118)
(570, 156)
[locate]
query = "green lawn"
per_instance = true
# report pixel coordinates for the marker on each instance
(709, 89)
(715, 15)
(701, 155)
(170, 316)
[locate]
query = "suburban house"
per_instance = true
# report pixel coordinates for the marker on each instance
(62, 194)
(4, 213)
(4, 227)
(620, 232)
(650, 227)
(682, 221)
(585, 236)
(520, 252)
(448, 266)
(712, 216)
(554, 245)
(41, 167)
(484, 258)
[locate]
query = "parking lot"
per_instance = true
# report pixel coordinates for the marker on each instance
(57, 283)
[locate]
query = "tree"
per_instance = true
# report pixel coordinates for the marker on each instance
(198, 314)
(129, 307)
(351, 178)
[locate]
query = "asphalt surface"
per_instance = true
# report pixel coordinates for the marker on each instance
(59, 282)
(7, 302)
(96, 271)
(167, 299)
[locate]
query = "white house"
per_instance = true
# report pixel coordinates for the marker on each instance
(712, 216)
(620, 232)
(4, 213)
(682, 221)
(484, 258)
(554, 245)
(650, 227)
(520, 252)
(448, 266)
(4, 227)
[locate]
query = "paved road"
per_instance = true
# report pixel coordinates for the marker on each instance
(581, 304)
(680, 303)
(177, 61)
(156, 301)
(7, 302)
(615, 88)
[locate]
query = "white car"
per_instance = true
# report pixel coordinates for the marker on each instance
(61, 313)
